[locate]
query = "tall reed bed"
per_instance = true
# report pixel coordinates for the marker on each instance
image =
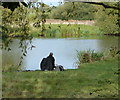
(89, 56)
(66, 30)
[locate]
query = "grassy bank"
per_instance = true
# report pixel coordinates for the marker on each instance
(61, 31)
(94, 80)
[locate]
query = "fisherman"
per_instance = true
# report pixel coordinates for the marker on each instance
(48, 63)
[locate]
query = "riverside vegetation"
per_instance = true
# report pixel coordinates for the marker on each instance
(70, 30)
(94, 80)
(97, 75)
(18, 22)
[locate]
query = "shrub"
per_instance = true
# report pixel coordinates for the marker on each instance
(88, 56)
(113, 51)
(96, 56)
(91, 56)
(85, 58)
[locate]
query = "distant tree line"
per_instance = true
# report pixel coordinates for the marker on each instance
(108, 18)
(106, 15)
(73, 10)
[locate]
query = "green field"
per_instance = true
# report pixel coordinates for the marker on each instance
(94, 80)
(63, 30)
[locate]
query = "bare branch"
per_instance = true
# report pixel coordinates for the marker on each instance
(104, 5)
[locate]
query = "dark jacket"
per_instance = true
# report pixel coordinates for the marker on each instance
(48, 63)
(43, 64)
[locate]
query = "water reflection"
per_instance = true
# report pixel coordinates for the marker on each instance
(12, 57)
(64, 51)
(107, 42)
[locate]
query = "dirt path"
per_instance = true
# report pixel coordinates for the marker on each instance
(57, 21)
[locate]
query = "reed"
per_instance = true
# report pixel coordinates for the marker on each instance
(63, 30)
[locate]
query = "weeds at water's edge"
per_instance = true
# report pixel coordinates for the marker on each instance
(91, 56)
(83, 57)
(63, 30)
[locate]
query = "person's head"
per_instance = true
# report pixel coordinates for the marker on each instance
(51, 54)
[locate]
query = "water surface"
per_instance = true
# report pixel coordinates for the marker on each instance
(64, 51)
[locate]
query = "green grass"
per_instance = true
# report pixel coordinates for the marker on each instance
(94, 80)
(60, 31)
(63, 30)
(89, 56)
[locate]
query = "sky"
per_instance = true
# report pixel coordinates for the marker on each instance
(49, 2)
(52, 2)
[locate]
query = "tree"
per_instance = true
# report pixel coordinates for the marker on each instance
(116, 7)
(12, 5)
(107, 19)
(17, 19)
(74, 10)
(15, 22)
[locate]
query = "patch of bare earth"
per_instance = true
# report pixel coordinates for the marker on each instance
(57, 21)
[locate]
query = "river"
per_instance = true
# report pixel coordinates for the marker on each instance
(64, 50)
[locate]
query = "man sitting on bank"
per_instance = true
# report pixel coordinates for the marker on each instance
(48, 63)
